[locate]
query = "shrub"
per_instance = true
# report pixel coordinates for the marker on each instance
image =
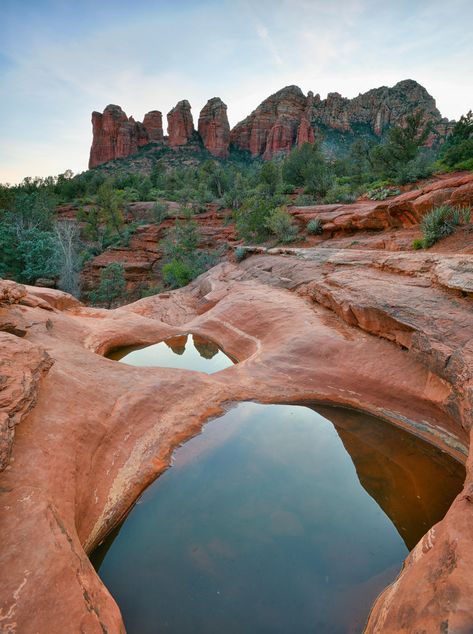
(340, 194)
(465, 165)
(240, 254)
(112, 285)
(177, 273)
(417, 244)
(281, 224)
(381, 193)
(305, 200)
(441, 221)
(422, 166)
(251, 217)
(149, 290)
(314, 227)
(159, 211)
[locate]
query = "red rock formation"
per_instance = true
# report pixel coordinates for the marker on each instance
(180, 124)
(281, 121)
(114, 136)
(214, 127)
(287, 117)
(141, 258)
(374, 331)
(272, 127)
(153, 124)
(405, 210)
(305, 132)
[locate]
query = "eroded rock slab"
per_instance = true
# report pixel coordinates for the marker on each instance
(381, 332)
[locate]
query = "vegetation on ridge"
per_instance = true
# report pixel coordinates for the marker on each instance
(37, 241)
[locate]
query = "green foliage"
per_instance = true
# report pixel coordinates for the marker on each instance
(104, 223)
(306, 167)
(270, 178)
(240, 254)
(281, 224)
(381, 193)
(251, 218)
(112, 285)
(27, 245)
(159, 212)
(441, 222)
(340, 194)
(417, 244)
(395, 158)
(314, 227)
(38, 252)
(305, 200)
(177, 273)
(465, 165)
(182, 260)
(458, 148)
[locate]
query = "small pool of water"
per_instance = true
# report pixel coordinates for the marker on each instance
(277, 519)
(186, 352)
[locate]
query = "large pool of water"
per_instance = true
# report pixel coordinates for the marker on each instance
(276, 519)
(186, 352)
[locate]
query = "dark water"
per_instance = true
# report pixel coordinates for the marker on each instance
(188, 352)
(276, 519)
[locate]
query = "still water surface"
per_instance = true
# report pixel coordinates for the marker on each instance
(186, 352)
(276, 519)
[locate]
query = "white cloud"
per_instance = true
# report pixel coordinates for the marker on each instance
(241, 51)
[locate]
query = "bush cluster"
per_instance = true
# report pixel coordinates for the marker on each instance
(441, 222)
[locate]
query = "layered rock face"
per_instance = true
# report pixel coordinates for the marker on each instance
(115, 135)
(214, 127)
(280, 122)
(385, 333)
(153, 124)
(180, 124)
(288, 117)
(273, 125)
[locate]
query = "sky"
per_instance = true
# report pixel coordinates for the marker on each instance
(62, 59)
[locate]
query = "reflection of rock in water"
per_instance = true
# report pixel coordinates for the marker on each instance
(412, 481)
(177, 344)
(204, 347)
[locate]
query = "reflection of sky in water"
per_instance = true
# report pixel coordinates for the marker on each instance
(260, 526)
(186, 352)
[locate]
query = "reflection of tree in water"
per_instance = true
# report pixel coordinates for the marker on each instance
(204, 347)
(177, 344)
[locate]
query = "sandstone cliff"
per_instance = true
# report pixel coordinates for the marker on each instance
(153, 123)
(280, 122)
(214, 127)
(180, 124)
(115, 135)
(288, 117)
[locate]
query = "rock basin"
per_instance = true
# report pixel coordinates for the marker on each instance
(187, 352)
(277, 518)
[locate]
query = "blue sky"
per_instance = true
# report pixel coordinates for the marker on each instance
(61, 59)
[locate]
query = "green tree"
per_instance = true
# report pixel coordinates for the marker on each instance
(182, 260)
(251, 218)
(458, 147)
(402, 146)
(111, 286)
(306, 167)
(281, 224)
(270, 178)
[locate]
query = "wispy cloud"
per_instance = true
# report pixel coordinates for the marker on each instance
(59, 61)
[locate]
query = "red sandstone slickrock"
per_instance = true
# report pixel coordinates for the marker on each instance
(305, 324)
